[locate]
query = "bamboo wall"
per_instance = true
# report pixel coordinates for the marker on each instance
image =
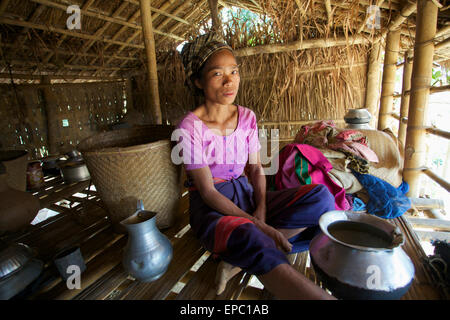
(306, 85)
(49, 119)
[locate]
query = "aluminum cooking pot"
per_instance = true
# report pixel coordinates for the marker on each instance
(359, 256)
(74, 171)
(18, 269)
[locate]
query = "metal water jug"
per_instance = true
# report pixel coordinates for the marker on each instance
(148, 252)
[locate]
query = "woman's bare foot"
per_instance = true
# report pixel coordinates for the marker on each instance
(225, 272)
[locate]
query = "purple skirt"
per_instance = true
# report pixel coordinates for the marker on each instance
(239, 242)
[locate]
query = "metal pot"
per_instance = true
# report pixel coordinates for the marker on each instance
(74, 171)
(74, 155)
(18, 269)
(13, 257)
(50, 165)
(359, 256)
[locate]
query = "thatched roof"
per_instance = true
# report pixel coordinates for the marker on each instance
(35, 40)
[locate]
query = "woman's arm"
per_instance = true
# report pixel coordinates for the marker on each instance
(214, 199)
(204, 183)
(258, 179)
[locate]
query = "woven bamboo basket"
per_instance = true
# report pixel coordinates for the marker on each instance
(134, 164)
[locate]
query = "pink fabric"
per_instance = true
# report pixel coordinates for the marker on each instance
(226, 155)
(319, 166)
(324, 134)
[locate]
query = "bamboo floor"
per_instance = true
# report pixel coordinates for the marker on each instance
(83, 221)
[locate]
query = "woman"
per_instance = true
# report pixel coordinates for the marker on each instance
(242, 223)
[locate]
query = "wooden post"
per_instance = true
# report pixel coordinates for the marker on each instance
(150, 50)
(373, 83)
(406, 86)
(427, 13)
(51, 109)
(389, 69)
(216, 25)
(129, 92)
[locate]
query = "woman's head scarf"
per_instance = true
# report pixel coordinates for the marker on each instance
(195, 53)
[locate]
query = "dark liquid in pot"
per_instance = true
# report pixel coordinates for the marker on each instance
(360, 234)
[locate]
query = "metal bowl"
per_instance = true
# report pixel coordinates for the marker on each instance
(13, 258)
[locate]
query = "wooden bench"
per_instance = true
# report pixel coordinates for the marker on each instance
(190, 274)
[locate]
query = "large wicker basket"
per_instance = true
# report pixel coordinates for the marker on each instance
(134, 164)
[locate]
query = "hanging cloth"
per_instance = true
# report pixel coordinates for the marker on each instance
(302, 164)
(385, 200)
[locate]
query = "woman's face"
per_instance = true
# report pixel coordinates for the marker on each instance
(220, 78)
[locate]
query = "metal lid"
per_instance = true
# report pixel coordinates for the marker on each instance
(13, 258)
(357, 116)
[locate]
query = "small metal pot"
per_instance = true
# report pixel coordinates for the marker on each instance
(50, 165)
(74, 171)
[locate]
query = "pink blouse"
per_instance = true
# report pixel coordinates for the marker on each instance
(226, 155)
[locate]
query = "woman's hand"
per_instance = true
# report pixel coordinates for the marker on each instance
(260, 213)
(281, 242)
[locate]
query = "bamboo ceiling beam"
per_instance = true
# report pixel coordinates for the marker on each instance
(103, 17)
(162, 12)
(172, 29)
(100, 31)
(68, 53)
(85, 6)
(66, 66)
(138, 32)
(364, 23)
(135, 15)
(65, 32)
(165, 21)
(406, 11)
(256, 4)
(302, 45)
(3, 6)
(21, 76)
(415, 147)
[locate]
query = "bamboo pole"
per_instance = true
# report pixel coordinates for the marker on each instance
(302, 45)
(388, 84)
(373, 82)
(406, 86)
(112, 19)
(64, 32)
(216, 25)
(427, 13)
(85, 6)
(150, 50)
(85, 47)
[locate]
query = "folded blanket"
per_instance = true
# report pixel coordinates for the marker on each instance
(324, 134)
